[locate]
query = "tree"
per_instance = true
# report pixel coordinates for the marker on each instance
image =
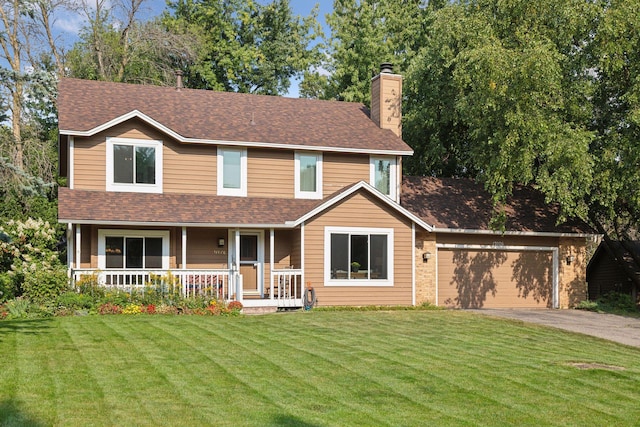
(500, 92)
(246, 46)
(365, 33)
(116, 46)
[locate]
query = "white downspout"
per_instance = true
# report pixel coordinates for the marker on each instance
(413, 263)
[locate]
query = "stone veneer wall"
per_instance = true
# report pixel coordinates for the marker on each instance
(572, 277)
(425, 270)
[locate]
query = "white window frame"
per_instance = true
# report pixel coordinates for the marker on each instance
(328, 281)
(104, 233)
(393, 178)
(222, 191)
(299, 194)
(134, 188)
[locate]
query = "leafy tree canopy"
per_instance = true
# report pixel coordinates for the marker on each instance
(246, 46)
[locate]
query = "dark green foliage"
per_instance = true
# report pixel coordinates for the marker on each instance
(45, 286)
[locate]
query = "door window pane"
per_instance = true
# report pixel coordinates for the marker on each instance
(134, 252)
(114, 252)
(123, 164)
(249, 248)
(153, 252)
(232, 169)
(308, 174)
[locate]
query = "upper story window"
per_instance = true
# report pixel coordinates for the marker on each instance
(383, 175)
(232, 171)
(308, 175)
(134, 165)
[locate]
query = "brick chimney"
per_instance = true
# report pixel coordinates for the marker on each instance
(386, 99)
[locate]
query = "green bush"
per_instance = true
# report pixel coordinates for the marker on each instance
(75, 301)
(617, 301)
(17, 308)
(45, 286)
(587, 305)
(7, 287)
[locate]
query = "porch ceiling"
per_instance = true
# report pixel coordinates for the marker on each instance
(83, 206)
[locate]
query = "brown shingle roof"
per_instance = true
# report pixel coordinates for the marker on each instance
(172, 208)
(202, 114)
(464, 204)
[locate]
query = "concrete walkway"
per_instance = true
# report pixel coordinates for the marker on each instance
(624, 330)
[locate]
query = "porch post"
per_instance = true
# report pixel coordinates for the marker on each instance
(303, 284)
(78, 244)
(184, 248)
(236, 266)
(70, 247)
(271, 261)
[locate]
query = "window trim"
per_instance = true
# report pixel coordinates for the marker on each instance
(393, 178)
(104, 233)
(133, 188)
(222, 191)
(328, 281)
(299, 194)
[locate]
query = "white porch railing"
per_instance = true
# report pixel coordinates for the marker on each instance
(189, 283)
(286, 284)
(286, 287)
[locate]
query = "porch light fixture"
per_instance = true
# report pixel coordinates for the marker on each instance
(221, 242)
(570, 259)
(426, 256)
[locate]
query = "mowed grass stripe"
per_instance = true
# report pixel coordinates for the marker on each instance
(319, 368)
(282, 386)
(427, 386)
(236, 400)
(338, 387)
(183, 380)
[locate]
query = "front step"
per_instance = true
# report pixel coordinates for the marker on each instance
(259, 310)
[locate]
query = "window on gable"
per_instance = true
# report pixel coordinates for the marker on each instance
(358, 256)
(232, 171)
(134, 165)
(383, 175)
(308, 175)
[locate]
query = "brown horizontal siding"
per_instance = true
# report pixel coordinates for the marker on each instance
(340, 170)
(360, 210)
(203, 250)
(270, 173)
(484, 239)
(89, 163)
(189, 168)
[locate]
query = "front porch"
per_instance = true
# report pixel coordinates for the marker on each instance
(285, 290)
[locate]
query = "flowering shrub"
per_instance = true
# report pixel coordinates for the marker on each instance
(235, 305)
(109, 308)
(148, 309)
(132, 309)
(27, 251)
(166, 309)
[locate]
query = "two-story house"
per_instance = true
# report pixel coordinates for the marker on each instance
(260, 198)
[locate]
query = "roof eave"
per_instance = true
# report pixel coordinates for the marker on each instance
(185, 140)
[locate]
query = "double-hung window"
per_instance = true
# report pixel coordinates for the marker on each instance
(134, 165)
(358, 256)
(383, 175)
(232, 171)
(308, 175)
(132, 249)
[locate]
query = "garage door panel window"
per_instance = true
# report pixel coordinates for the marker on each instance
(358, 256)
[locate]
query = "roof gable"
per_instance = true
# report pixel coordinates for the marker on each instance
(200, 116)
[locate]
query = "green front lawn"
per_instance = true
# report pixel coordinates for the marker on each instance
(311, 369)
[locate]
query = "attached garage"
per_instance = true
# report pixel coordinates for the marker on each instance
(484, 277)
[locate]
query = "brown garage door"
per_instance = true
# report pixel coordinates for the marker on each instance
(494, 279)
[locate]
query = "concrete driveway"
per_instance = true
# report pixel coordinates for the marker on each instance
(624, 330)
